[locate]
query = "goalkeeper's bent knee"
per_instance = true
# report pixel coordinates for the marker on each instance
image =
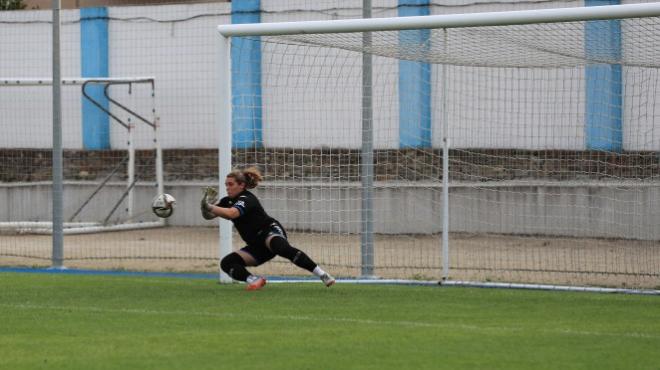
(234, 265)
(281, 247)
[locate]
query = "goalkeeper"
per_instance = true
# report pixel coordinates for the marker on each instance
(265, 237)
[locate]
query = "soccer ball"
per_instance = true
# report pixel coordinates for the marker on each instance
(163, 205)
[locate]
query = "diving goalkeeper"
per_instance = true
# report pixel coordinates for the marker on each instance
(265, 237)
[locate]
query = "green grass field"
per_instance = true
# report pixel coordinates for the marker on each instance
(64, 321)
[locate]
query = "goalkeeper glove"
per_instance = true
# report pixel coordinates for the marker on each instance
(210, 198)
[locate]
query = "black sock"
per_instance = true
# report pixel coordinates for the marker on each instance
(303, 261)
(234, 266)
(281, 247)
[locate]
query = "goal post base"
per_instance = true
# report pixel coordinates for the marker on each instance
(562, 288)
(45, 228)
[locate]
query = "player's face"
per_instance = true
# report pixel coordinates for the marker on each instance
(233, 187)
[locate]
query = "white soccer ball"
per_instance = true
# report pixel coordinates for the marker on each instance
(163, 205)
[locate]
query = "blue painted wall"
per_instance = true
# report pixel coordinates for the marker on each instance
(246, 78)
(604, 100)
(414, 84)
(94, 63)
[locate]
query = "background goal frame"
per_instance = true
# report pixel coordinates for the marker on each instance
(72, 227)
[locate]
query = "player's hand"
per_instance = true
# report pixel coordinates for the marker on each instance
(209, 198)
(211, 195)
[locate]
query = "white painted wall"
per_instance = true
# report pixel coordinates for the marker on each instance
(304, 106)
(640, 118)
(182, 58)
(308, 106)
(506, 107)
(26, 52)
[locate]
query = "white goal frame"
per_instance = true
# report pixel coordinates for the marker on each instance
(70, 228)
(223, 111)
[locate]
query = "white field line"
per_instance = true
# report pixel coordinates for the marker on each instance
(386, 323)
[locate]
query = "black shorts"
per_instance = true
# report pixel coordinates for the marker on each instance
(258, 250)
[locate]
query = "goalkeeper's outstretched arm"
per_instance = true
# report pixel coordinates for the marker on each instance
(226, 213)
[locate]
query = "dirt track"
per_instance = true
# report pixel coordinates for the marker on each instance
(483, 257)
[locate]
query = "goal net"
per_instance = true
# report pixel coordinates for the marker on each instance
(545, 136)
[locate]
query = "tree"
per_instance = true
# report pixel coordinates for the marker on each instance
(11, 4)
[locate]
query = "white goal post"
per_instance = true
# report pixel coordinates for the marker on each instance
(443, 21)
(129, 119)
(517, 169)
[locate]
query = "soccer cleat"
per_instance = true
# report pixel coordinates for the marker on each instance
(256, 284)
(327, 279)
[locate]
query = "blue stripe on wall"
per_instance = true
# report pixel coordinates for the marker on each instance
(94, 63)
(414, 84)
(604, 100)
(246, 78)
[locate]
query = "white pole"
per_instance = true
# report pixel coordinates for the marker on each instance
(90, 229)
(223, 114)
(561, 288)
(444, 21)
(160, 182)
(131, 168)
(20, 81)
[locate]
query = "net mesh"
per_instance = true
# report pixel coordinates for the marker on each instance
(543, 188)
(553, 159)
(553, 45)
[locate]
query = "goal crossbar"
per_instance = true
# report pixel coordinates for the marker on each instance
(14, 81)
(443, 21)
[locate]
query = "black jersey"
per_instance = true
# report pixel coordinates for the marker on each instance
(253, 221)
